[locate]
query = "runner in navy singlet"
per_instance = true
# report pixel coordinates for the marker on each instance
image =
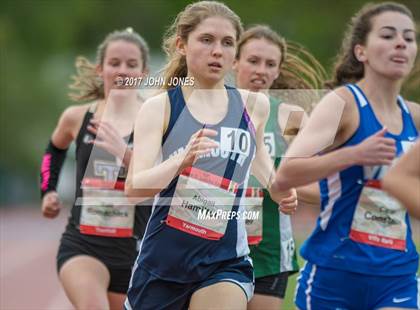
(194, 253)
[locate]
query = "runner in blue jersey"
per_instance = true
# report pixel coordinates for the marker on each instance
(361, 254)
(194, 253)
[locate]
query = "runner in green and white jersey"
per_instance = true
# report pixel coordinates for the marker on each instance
(259, 66)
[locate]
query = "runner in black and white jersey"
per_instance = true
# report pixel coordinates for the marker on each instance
(99, 245)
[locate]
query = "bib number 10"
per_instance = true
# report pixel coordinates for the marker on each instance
(235, 140)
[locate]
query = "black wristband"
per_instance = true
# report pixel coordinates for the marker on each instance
(52, 162)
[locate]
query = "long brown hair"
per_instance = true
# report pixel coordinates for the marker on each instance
(347, 69)
(298, 68)
(184, 24)
(86, 83)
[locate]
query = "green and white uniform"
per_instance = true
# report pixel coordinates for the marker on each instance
(276, 252)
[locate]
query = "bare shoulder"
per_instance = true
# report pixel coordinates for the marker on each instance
(415, 112)
(335, 116)
(412, 103)
(340, 100)
(257, 105)
(156, 107)
(290, 107)
(156, 102)
(414, 107)
(69, 125)
(75, 113)
(155, 110)
(342, 94)
(72, 117)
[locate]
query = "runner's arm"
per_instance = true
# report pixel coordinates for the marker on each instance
(53, 159)
(263, 166)
(328, 128)
(144, 178)
(403, 180)
(291, 119)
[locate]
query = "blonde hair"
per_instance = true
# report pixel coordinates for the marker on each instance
(86, 83)
(298, 68)
(184, 24)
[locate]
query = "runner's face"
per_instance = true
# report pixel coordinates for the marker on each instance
(210, 49)
(391, 46)
(258, 65)
(122, 60)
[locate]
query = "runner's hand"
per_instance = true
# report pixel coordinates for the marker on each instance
(200, 144)
(51, 205)
(107, 138)
(375, 150)
(289, 204)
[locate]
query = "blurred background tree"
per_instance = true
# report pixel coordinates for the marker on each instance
(40, 39)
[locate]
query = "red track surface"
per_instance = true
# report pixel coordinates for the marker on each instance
(29, 243)
(28, 246)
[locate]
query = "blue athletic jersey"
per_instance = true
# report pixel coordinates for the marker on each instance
(175, 255)
(352, 232)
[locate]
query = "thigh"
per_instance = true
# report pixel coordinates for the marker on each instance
(116, 300)
(222, 295)
(398, 292)
(85, 280)
(230, 287)
(269, 292)
(267, 302)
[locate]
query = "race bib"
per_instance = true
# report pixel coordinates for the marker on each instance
(202, 204)
(253, 201)
(235, 140)
(379, 219)
(105, 210)
(287, 243)
(270, 143)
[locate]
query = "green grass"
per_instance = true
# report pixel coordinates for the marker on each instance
(288, 303)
